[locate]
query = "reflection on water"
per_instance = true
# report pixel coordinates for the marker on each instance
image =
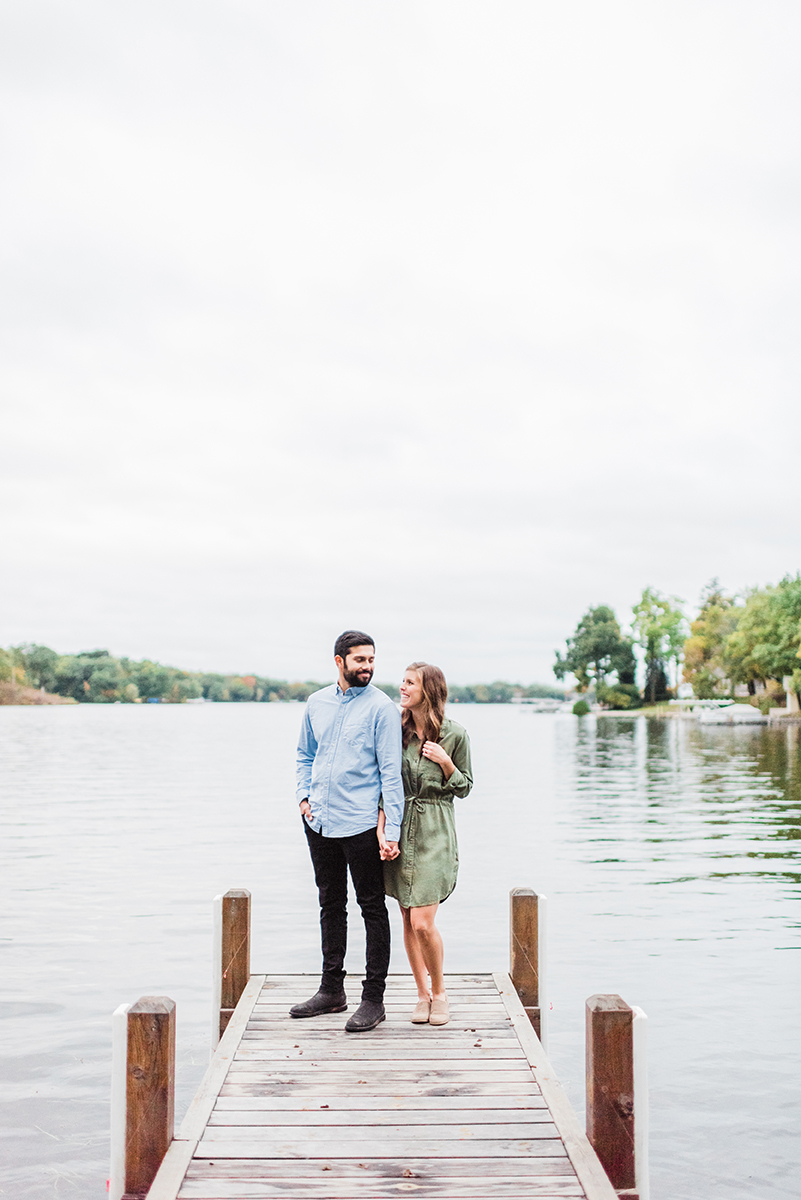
(732, 795)
(668, 852)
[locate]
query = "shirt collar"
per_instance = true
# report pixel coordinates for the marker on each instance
(352, 691)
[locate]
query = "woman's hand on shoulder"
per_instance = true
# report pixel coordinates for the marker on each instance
(435, 752)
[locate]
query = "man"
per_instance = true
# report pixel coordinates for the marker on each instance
(349, 756)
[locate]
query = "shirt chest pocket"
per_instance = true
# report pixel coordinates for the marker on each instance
(431, 771)
(359, 740)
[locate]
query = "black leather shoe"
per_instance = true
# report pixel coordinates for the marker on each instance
(367, 1016)
(321, 1002)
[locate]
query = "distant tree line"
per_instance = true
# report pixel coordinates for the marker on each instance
(501, 692)
(750, 643)
(97, 677)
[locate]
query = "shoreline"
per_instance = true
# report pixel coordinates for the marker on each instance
(16, 693)
(671, 714)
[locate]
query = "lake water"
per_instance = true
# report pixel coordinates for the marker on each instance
(668, 852)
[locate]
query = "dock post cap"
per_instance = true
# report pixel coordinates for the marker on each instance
(153, 1004)
(608, 1002)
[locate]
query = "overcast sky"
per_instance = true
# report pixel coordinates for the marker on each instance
(441, 320)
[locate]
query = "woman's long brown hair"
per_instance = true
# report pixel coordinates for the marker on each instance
(435, 693)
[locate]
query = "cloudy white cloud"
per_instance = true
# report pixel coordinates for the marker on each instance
(446, 320)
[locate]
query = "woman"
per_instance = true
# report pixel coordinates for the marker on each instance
(436, 767)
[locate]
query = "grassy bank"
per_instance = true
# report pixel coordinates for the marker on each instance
(15, 693)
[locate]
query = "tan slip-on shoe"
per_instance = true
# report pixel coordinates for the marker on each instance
(440, 1013)
(421, 1010)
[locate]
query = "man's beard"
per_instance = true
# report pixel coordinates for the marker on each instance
(356, 679)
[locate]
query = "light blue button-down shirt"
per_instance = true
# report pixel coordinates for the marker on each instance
(349, 755)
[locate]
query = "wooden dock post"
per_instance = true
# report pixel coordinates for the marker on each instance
(641, 1104)
(231, 957)
(617, 1097)
(142, 1094)
(527, 913)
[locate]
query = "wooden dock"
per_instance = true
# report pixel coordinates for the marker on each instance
(300, 1110)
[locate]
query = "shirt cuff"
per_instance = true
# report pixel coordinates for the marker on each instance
(392, 832)
(456, 780)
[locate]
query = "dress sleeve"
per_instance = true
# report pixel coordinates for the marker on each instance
(461, 780)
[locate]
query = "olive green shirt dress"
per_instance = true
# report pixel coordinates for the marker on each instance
(425, 871)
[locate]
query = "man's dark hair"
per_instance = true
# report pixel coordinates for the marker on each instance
(350, 638)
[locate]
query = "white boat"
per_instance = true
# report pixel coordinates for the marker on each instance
(732, 714)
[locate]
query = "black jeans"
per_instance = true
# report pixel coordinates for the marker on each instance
(332, 858)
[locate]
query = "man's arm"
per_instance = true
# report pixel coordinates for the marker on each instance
(307, 748)
(388, 753)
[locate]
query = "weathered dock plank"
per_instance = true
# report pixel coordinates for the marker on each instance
(265, 1087)
(419, 1168)
(369, 1103)
(300, 1109)
(304, 1147)
(540, 1186)
(374, 1117)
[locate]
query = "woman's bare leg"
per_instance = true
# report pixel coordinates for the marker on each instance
(415, 956)
(429, 946)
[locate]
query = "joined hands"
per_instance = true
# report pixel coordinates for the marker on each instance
(386, 850)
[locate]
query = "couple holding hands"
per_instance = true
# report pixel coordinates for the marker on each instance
(376, 790)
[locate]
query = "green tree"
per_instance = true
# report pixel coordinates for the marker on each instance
(595, 650)
(208, 681)
(218, 691)
(705, 665)
(765, 643)
(91, 677)
(70, 677)
(106, 681)
(543, 691)
(239, 690)
(660, 630)
(184, 686)
(302, 691)
(624, 662)
(619, 695)
(270, 689)
(153, 681)
(39, 663)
